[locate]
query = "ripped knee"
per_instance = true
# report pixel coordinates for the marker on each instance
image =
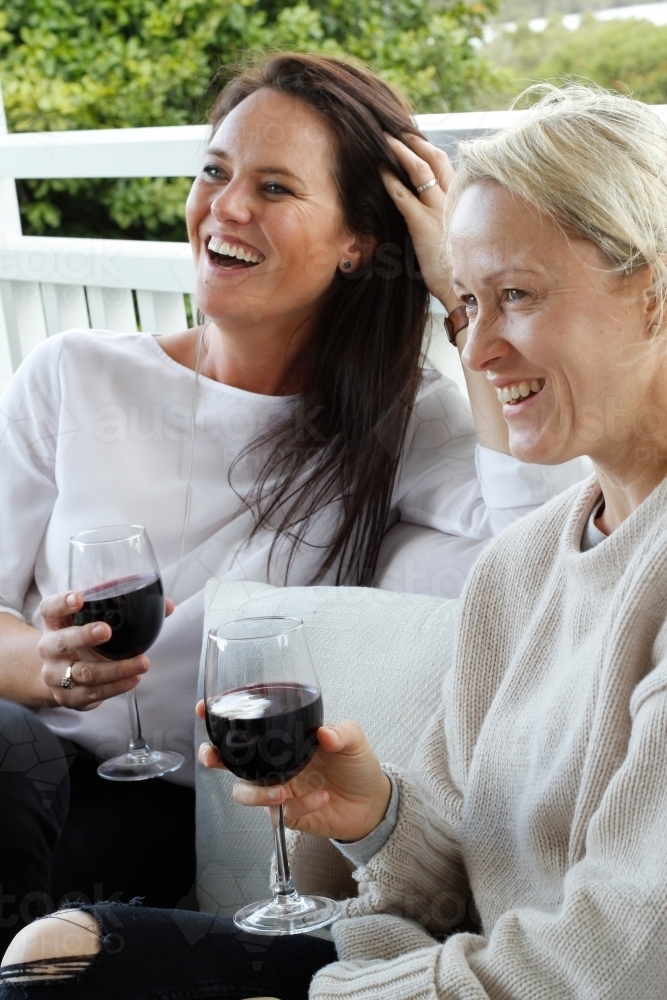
(60, 946)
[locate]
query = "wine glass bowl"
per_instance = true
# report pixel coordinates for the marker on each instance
(263, 709)
(265, 726)
(115, 570)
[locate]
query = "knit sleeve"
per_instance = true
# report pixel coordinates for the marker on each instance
(606, 937)
(419, 873)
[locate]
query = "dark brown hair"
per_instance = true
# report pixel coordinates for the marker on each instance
(365, 357)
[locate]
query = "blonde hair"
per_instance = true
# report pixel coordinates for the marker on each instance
(595, 162)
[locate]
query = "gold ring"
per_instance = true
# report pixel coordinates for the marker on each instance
(425, 187)
(68, 681)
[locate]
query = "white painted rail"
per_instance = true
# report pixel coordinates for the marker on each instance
(171, 151)
(50, 284)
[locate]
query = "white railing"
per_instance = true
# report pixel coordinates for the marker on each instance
(50, 284)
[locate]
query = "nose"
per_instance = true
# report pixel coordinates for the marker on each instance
(485, 345)
(232, 204)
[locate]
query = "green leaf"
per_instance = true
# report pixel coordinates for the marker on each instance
(83, 64)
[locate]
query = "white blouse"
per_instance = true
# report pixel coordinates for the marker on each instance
(95, 429)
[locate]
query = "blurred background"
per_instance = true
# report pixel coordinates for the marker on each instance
(88, 64)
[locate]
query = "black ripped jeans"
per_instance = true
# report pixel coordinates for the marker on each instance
(179, 955)
(65, 833)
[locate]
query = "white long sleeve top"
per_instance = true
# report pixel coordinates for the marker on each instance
(95, 429)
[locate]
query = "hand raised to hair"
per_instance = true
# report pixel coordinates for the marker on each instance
(424, 214)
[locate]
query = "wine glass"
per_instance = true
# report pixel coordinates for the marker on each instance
(263, 709)
(115, 570)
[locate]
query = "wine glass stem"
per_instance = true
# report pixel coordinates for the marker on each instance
(138, 744)
(284, 885)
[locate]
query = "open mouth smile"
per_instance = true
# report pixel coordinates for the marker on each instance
(518, 391)
(232, 256)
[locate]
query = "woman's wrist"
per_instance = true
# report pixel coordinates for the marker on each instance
(381, 805)
(21, 674)
(447, 298)
(361, 851)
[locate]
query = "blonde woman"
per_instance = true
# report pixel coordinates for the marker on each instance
(525, 855)
(290, 438)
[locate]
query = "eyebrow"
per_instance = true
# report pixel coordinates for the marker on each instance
(283, 171)
(504, 271)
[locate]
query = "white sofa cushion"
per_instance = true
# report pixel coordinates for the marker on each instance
(381, 658)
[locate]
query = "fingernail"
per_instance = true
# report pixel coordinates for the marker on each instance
(274, 794)
(322, 798)
(99, 631)
(71, 600)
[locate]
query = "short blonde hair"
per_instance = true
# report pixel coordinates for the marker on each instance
(595, 162)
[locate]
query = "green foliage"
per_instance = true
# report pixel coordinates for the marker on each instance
(82, 64)
(628, 55)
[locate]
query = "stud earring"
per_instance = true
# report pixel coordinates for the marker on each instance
(347, 264)
(655, 328)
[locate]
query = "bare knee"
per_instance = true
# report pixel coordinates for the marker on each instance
(49, 947)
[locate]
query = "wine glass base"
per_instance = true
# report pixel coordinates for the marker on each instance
(296, 915)
(140, 767)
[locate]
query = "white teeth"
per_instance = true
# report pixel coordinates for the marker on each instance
(231, 250)
(519, 390)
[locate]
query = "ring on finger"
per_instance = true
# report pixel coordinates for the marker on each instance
(425, 187)
(68, 681)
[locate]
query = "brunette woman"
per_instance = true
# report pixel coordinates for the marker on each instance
(278, 440)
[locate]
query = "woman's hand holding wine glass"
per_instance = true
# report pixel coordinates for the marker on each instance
(64, 644)
(343, 792)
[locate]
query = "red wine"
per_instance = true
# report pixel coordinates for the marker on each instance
(266, 733)
(133, 607)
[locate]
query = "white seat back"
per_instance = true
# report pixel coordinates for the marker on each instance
(381, 658)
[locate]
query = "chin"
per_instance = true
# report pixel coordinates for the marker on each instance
(536, 451)
(235, 306)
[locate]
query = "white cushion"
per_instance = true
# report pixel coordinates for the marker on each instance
(381, 658)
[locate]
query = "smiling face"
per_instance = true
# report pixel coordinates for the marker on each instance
(264, 216)
(564, 341)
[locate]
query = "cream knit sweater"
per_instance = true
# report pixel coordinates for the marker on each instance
(540, 791)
